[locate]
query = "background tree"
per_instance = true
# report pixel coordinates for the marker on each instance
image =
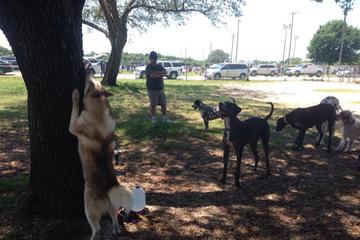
(325, 44)
(217, 56)
(112, 18)
(346, 6)
(46, 38)
(4, 51)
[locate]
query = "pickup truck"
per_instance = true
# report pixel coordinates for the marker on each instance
(173, 69)
(304, 69)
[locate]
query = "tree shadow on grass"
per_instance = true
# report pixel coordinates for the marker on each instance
(306, 196)
(311, 195)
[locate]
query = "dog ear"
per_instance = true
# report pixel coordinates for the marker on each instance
(237, 109)
(232, 99)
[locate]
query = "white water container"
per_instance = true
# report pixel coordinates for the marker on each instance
(138, 199)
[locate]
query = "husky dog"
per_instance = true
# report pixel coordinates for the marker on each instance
(94, 128)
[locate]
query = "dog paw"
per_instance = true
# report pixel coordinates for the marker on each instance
(75, 95)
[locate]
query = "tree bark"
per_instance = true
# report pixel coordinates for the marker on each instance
(46, 39)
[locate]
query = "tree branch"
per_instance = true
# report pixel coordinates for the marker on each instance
(93, 25)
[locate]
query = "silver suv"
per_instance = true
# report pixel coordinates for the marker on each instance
(173, 69)
(264, 69)
(227, 70)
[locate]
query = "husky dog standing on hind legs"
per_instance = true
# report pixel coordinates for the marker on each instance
(94, 128)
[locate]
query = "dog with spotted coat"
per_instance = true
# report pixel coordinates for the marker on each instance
(207, 112)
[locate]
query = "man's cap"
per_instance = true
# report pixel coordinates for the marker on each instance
(153, 55)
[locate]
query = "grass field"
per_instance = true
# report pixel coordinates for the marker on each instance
(311, 195)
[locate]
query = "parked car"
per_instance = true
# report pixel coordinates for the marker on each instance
(343, 73)
(5, 67)
(305, 68)
(264, 69)
(11, 59)
(227, 70)
(173, 69)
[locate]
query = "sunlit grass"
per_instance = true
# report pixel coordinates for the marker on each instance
(337, 91)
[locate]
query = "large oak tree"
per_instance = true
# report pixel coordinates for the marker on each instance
(46, 38)
(113, 17)
(325, 46)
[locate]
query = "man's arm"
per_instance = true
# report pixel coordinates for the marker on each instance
(159, 73)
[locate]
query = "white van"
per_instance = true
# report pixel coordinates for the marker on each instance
(227, 70)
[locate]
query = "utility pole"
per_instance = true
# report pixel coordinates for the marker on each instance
(237, 40)
(291, 30)
(295, 38)
(342, 39)
(210, 47)
(186, 67)
(232, 48)
(203, 68)
(286, 27)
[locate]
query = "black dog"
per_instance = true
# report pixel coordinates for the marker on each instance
(238, 133)
(305, 118)
(207, 113)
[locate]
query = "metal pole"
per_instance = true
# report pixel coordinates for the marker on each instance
(237, 41)
(295, 38)
(342, 39)
(291, 30)
(186, 68)
(286, 30)
(232, 47)
(204, 57)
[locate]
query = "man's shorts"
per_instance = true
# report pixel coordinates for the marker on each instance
(157, 97)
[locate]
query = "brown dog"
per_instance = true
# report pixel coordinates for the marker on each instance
(94, 129)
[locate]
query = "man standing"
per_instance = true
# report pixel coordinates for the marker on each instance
(155, 86)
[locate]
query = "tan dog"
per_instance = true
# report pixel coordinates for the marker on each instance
(350, 131)
(94, 129)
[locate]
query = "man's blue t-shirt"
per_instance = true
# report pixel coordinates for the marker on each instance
(154, 84)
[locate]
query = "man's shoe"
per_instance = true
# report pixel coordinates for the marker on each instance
(166, 120)
(153, 120)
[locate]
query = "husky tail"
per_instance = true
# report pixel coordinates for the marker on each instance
(121, 196)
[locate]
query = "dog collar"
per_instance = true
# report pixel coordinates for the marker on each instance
(285, 120)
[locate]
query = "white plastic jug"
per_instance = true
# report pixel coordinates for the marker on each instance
(138, 199)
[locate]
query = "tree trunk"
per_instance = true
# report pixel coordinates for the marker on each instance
(117, 46)
(46, 39)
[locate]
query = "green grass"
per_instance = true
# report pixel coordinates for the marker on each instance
(130, 109)
(13, 99)
(130, 104)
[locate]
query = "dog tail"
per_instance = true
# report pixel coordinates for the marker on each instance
(121, 196)
(271, 111)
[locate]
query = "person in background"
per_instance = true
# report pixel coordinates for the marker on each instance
(155, 87)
